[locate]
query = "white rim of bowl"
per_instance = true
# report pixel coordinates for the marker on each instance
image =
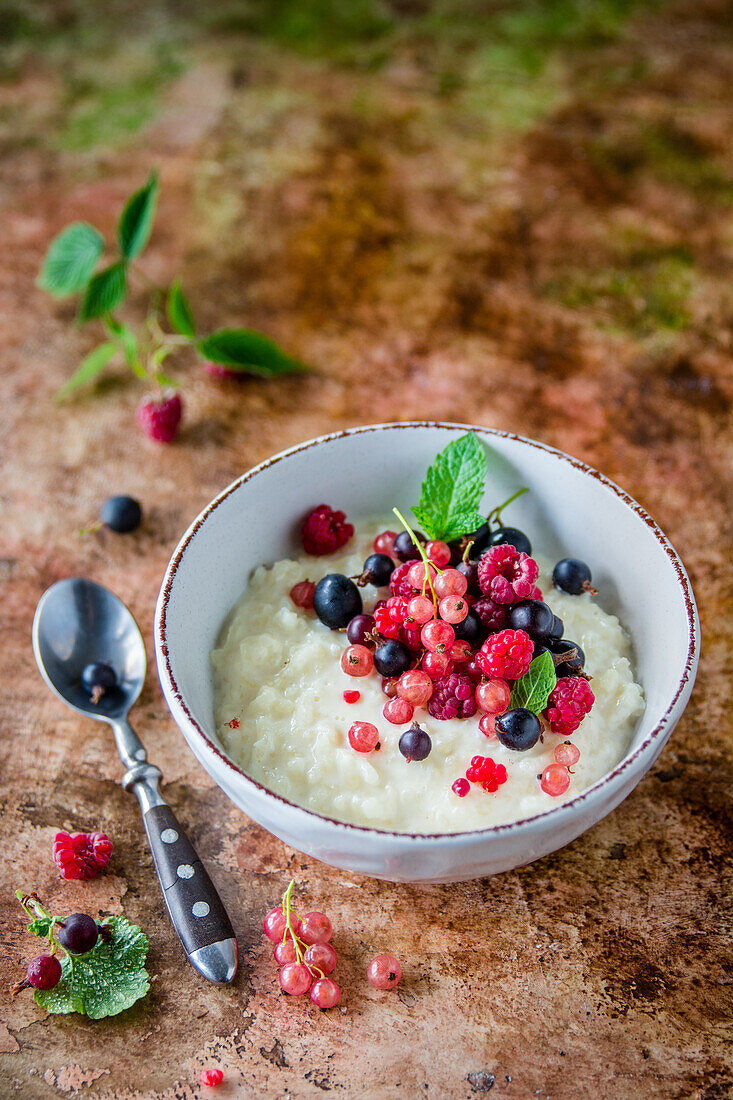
(612, 780)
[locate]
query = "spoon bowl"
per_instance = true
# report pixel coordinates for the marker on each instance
(78, 622)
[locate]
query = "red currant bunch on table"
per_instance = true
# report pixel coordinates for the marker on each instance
(303, 952)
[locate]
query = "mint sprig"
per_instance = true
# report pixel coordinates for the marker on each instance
(452, 490)
(534, 688)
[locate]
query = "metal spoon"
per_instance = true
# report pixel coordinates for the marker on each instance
(76, 623)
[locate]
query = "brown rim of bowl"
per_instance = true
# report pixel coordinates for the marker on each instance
(682, 579)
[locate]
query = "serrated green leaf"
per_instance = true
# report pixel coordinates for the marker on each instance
(104, 292)
(40, 926)
(452, 490)
(534, 688)
(136, 219)
(105, 981)
(70, 260)
(179, 311)
(88, 369)
(248, 351)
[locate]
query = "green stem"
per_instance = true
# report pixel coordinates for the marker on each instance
(495, 513)
(289, 913)
(425, 559)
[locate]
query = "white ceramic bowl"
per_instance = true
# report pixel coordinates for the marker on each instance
(571, 510)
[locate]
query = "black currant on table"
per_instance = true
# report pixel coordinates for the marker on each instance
(121, 514)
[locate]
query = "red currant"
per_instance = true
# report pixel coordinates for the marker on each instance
(357, 660)
(274, 925)
(567, 754)
(325, 993)
(384, 972)
(493, 696)
(437, 665)
(460, 652)
(315, 928)
(302, 594)
(295, 979)
(555, 780)
(453, 609)
(438, 552)
(461, 787)
(438, 636)
(384, 542)
(417, 575)
(487, 726)
(363, 736)
(415, 686)
(389, 686)
(321, 956)
(420, 609)
(450, 583)
(398, 711)
(285, 952)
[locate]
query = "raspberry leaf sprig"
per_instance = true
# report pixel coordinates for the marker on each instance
(71, 267)
(103, 981)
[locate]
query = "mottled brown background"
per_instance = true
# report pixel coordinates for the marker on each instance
(513, 214)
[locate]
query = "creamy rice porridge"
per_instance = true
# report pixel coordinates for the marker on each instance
(281, 714)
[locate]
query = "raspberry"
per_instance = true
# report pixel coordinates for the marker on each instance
(506, 655)
(506, 574)
(398, 582)
(210, 1078)
(217, 371)
(390, 618)
(160, 419)
(485, 771)
(569, 703)
(324, 531)
(81, 855)
(494, 616)
(454, 696)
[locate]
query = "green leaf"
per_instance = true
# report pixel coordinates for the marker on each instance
(252, 352)
(534, 688)
(105, 981)
(89, 368)
(70, 260)
(452, 490)
(126, 339)
(104, 292)
(40, 926)
(179, 311)
(136, 219)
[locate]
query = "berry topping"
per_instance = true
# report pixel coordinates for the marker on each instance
(336, 600)
(81, 855)
(487, 725)
(325, 993)
(518, 729)
(399, 585)
(461, 787)
(404, 548)
(44, 972)
(437, 665)
(492, 615)
(398, 711)
(295, 979)
(415, 743)
(492, 697)
(159, 419)
(302, 594)
(415, 686)
(506, 655)
(357, 660)
(420, 609)
(507, 575)
(470, 629)
(485, 772)
(460, 652)
(392, 658)
(384, 972)
(378, 568)
(572, 576)
(359, 629)
(211, 1078)
(390, 617)
(321, 956)
(555, 780)
(570, 658)
(352, 696)
(567, 754)
(450, 583)
(453, 609)
(439, 553)
(78, 933)
(533, 616)
(570, 701)
(558, 628)
(315, 928)
(513, 537)
(454, 697)
(121, 514)
(389, 686)
(325, 531)
(384, 542)
(469, 569)
(438, 636)
(98, 678)
(363, 737)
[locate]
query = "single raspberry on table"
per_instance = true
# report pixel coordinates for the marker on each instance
(159, 419)
(494, 616)
(454, 696)
(506, 655)
(398, 582)
(570, 701)
(507, 574)
(211, 1078)
(81, 855)
(325, 531)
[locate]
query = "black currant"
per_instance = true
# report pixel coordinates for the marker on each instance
(514, 537)
(358, 628)
(121, 514)
(336, 600)
(557, 629)
(377, 570)
(415, 743)
(532, 616)
(518, 729)
(470, 572)
(392, 658)
(471, 630)
(404, 548)
(573, 664)
(98, 678)
(480, 541)
(571, 576)
(79, 933)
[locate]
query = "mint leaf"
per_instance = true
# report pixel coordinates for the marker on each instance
(89, 368)
(534, 688)
(70, 260)
(452, 490)
(245, 350)
(136, 219)
(105, 981)
(179, 311)
(104, 292)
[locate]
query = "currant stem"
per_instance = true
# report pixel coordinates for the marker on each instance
(289, 912)
(425, 559)
(495, 513)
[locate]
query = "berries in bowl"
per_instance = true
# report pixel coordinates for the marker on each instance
(388, 698)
